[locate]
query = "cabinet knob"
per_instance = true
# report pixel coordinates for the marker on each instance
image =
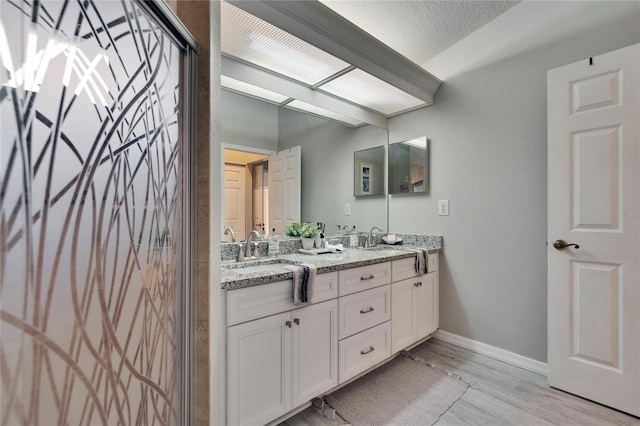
(288, 324)
(296, 321)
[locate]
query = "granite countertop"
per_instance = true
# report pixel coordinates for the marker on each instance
(269, 270)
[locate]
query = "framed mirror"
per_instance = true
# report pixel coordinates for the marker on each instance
(408, 166)
(369, 172)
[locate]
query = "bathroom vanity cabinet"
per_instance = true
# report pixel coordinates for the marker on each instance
(280, 356)
(415, 307)
(364, 315)
(283, 355)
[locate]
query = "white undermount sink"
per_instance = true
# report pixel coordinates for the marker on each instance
(260, 265)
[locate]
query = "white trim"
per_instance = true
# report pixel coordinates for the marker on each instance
(493, 352)
(243, 148)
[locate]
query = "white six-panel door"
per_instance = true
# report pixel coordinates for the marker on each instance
(235, 199)
(594, 201)
(285, 179)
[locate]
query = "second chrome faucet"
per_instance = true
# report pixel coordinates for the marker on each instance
(249, 252)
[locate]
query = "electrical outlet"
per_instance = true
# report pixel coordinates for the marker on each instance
(443, 207)
(347, 209)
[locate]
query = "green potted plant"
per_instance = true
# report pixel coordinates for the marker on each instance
(306, 231)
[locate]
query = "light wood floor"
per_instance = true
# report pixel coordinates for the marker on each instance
(498, 394)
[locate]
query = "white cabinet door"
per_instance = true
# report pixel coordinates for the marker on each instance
(315, 351)
(259, 370)
(280, 362)
(426, 300)
(403, 307)
(414, 310)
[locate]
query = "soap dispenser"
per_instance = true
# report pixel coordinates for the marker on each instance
(353, 238)
(274, 245)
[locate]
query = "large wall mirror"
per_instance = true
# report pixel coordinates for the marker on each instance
(327, 161)
(408, 166)
(369, 172)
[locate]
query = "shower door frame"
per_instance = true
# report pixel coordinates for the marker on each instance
(171, 24)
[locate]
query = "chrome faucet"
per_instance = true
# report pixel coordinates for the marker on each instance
(248, 251)
(370, 241)
(230, 231)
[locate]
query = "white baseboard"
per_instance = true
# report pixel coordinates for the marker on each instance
(493, 352)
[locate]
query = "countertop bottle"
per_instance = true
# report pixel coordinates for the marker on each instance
(274, 246)
(353, 237)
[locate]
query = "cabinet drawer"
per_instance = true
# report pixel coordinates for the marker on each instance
(363, 351)
(325, 287)
(403, 269)
(251, 303)
(363, 310)
(363, 278)
(432, 262)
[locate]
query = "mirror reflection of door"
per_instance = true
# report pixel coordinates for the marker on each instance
(246, 192)
(234, 198)
(260, 193)
(285, 193)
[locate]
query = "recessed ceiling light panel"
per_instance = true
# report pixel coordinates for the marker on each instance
(251, 90)
(364, 89)
(258, 42)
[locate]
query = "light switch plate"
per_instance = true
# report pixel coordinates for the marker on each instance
(347, 209)
(443, 207)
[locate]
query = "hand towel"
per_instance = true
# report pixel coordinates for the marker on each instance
(304, 277)
(421, 260)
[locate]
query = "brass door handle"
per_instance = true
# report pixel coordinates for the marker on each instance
(562, 244)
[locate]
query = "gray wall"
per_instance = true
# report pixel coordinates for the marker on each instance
(328, 167)
(249, 122)
(488, 135)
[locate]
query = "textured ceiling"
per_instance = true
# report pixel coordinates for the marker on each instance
(419, 30)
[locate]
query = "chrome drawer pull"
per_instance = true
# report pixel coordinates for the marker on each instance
(371, 349)
(367, 311)
(370, 277)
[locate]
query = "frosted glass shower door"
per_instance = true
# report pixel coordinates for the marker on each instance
(93, 199)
